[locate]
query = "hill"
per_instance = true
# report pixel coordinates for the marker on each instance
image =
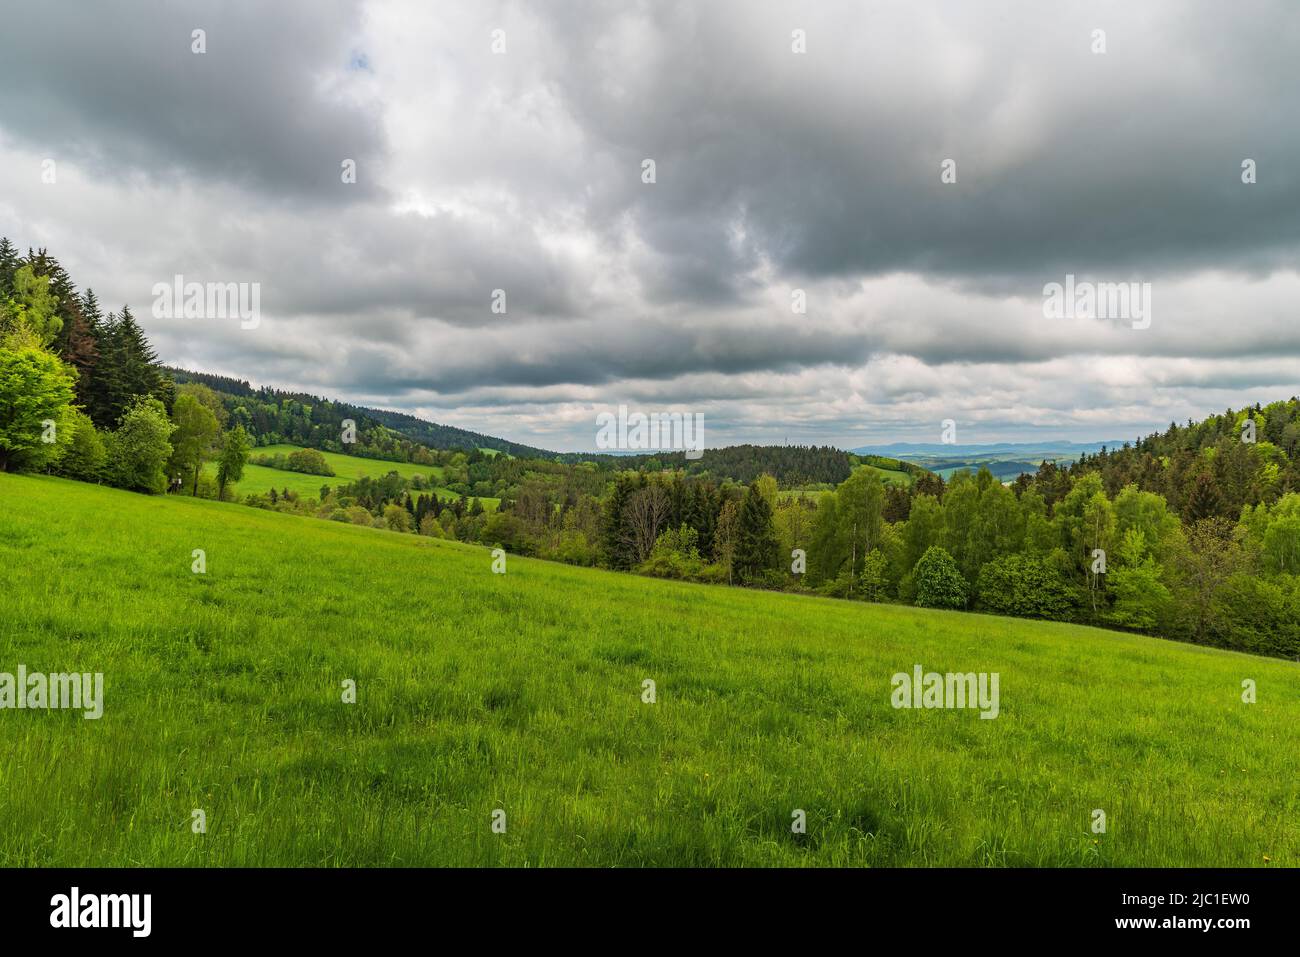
(313, 421)
(523, 692)
(260, 479)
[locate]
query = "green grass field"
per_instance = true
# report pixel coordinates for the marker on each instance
(259, 479)
(523, 692)
(348, 468)
(891, 476)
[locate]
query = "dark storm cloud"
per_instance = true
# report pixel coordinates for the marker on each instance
(587, 354)
(774, 171)
(1066, 160)
(270, 105)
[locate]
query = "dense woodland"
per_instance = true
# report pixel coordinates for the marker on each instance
(1193, 533)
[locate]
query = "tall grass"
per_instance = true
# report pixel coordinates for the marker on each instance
(523, 692)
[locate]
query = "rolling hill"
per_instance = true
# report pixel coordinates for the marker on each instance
(523, 693)
(418, 430)
(260, 479)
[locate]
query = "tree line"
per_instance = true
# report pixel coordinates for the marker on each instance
(82, 393)
(1191, 534)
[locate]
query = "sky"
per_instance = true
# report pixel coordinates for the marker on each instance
(916, 173)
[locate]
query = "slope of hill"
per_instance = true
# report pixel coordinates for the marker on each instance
(259, 479)
(524, 692)
(408, 426)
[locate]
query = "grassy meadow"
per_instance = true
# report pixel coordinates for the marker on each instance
(260, 479)
(523, 692)
(891, 476)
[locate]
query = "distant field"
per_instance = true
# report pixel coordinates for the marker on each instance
(258, 480)
(350, 467)
(522, 693)
(891, 476)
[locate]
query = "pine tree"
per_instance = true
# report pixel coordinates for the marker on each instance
(136, 370)
(612, 538)
(105, 384)
(8, 266)
(91, 311)
(1203, 501)
(757, 549)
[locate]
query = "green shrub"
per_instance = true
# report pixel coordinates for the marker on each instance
(1259, 615)
(35, 401)
(1024, 586)
(141, 447)
(675, 554)
(309, 461)
(938, 582)
(86, 454)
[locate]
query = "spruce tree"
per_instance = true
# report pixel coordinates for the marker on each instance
(138, 371)
(8, 266)
(105, 384)
(1203, 502)
(757, 550)
(613, 540)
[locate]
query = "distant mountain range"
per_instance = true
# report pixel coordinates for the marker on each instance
(1006, 460)
(1040, 450)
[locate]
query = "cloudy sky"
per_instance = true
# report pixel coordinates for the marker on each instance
(521, 169)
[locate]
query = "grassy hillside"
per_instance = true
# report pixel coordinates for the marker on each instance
(351, 467)
(890, 476)
(259, 479)
(523, 692)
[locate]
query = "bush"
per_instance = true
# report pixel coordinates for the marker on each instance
(1024, 586)
(86, 453)
(676, 554)
(309, 461)
(35, 392)
(1141, 598)
(507, 531)
(141, 447)
(938, 582)
(397, 518)
(1261, 616)
(574, 549)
